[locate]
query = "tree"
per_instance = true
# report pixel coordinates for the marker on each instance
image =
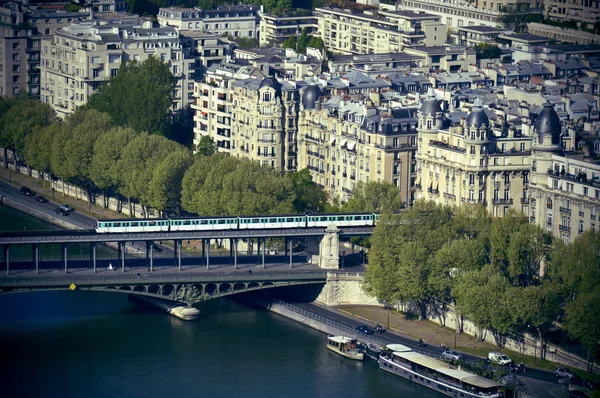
(137, 164)
(38, 147)
(73, 147)
(108, 150)
(374, 197)
(529, 246)
(206, 146)
(516, 17)
(246, 42)
(139, 96)
(290, 42)
(303, 41)
(487, 51)
(164, 191)
(583, 321)
(308, 196)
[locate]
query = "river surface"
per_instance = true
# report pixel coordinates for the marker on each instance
(93, 344)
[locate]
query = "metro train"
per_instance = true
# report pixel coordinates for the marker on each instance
(242, 222)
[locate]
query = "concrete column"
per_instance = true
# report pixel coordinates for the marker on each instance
(264, 246)
(235, 247)
(151, 252)
(203, 246)
(147, 253)
(329, 249)
(122, 254)
(257, 251)
(93, 255)
(177, 250)
(7, 258)
(291, 253)
(230, 251)
(208, 256)
(65, 256)
(36, 257)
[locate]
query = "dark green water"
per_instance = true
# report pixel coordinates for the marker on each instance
(91, 344)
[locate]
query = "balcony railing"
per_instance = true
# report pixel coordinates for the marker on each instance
(502, 201)
(565, 210)
(565, 228)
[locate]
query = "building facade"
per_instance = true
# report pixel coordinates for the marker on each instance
(378, 32)
(342, 143)
(275, 29)
(454, 14)
(565, 187)
(237, 21)
(587, 11)
(81, 57)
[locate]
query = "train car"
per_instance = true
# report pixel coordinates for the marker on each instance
(133, 225)
(341, 220)
(278, 221)
(203, 224)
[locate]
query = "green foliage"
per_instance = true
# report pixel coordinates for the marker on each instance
(374, 197)
(38, 147)
(517, 17)
(583, 320)
(21, 117)
(309, 197)
(206, 146)
(316, 42)
(164, 191)
(139, 96)
(290, 42)
(487, 51)
(247, 42)
(72, 8)
(108, 150)
(303, 41)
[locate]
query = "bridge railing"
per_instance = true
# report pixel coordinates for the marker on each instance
(53, 281)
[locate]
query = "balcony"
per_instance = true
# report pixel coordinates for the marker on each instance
(449, 195)
(502, 201)
(566, 210)
(524, 201)
(564, 228)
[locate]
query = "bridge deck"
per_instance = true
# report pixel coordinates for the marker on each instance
(89, 236)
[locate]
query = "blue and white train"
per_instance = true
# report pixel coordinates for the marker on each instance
(244, 222)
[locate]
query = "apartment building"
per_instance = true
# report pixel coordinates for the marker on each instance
(565, 185)
(345, 142)
(21, 29)
(563, 35)
(454, 14)
(213, 106)
(236, 20)
(587, 11)
(276, 28)
(378, 32)
(264, 119)
(81, 57)
(471, 161)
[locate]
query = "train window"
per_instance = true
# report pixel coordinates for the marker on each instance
(255, 221)
(340, 218)
(151, 223)
(134, 223)
(323, 218)
(203, 222)
(117, 224)
(187, 222)
(357, 217)
(272, 220)
(220, 221)
(290, 220)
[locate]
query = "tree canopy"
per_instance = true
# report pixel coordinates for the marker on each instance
(374, 197)
(139, 96)
(487, 51)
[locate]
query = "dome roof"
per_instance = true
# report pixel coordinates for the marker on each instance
(548, 122)
(431, 106)
(270, 82)
(477, 117)
(310, 96)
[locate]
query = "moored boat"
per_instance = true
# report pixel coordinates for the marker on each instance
(344, 346)
(436, 375)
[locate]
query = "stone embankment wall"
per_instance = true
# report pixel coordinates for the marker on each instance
(345, 289)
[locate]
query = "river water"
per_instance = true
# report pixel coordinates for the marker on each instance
(92, 344)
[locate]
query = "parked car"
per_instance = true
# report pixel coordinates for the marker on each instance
(41, 199)
(27, 192)
(364, 329)
(563, 373)
(379, 328)
(452, 355)
(67, 208)
(499, 358)
(156, 249)
(61, 212)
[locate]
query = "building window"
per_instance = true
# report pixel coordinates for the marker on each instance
(15, 57)
(16, 46)
(16, 79)
(16, 68)
(267, 97)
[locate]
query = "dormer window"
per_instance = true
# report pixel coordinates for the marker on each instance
(429, 124)
(267, 97)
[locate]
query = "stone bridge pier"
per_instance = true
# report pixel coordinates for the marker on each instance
(325, 252)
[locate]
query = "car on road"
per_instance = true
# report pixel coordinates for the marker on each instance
(499, 358)
(61, 212)
(67, 208)
(563, 373)
(27, 192)
(41, 199)
(588, 384)
(364, 329)
(452, 355)
(156, 249)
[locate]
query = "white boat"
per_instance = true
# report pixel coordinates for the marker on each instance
(436, 375)
(344, 346)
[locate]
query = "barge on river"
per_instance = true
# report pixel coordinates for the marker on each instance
(345, 346)
(436, 375)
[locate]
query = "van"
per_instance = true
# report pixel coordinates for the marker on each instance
(499, 358)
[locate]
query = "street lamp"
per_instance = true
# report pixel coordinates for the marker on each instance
(535, 346)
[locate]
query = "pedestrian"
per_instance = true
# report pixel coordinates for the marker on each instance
(138, 276)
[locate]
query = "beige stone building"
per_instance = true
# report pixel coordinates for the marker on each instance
(275, 29)
(236, 20)
(344, 142)
(565, 185)
(472, 162)
(81, 57)
(378, 32)
(263, 122)
(587, 11)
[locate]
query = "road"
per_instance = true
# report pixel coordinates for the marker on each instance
(391, 337)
